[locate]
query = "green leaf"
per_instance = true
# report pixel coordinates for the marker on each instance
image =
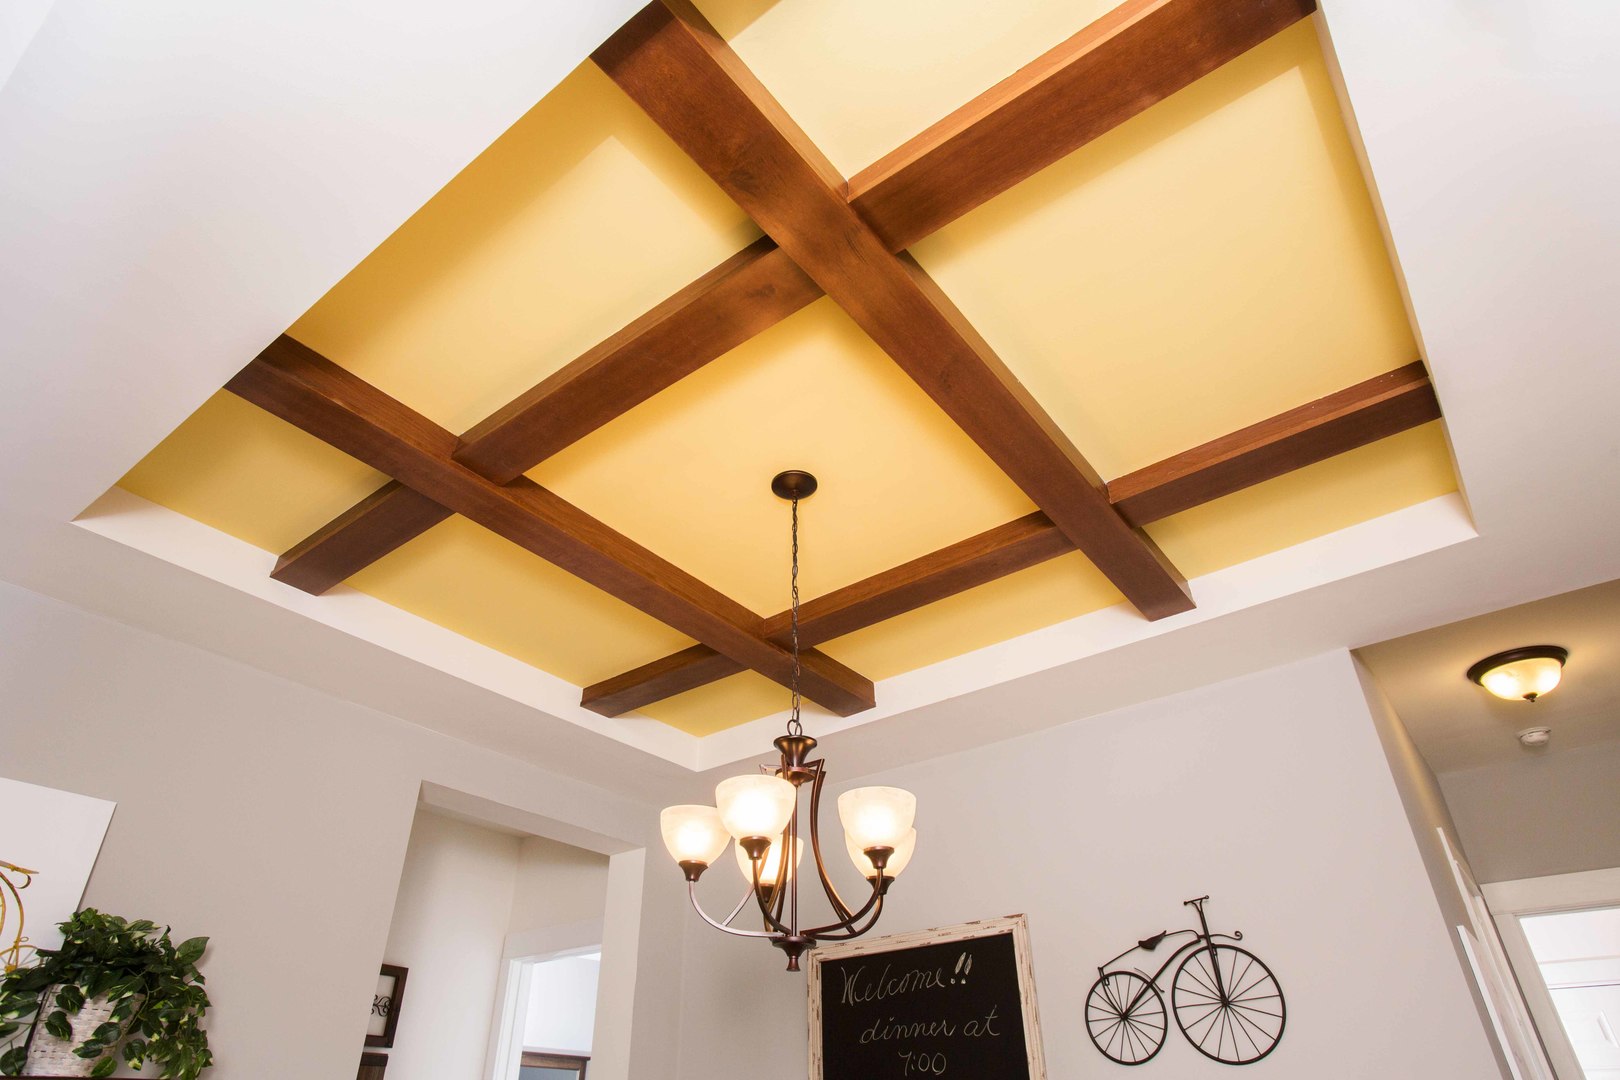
(18, 1005)
(108, 1032)
(191, 950)
(70, 998)
(88, 1049)
(57, 1024)
(100, 982)
(13, 1060)
(134, 1052)
(31, 980)
(143, 926)
(105, 1067)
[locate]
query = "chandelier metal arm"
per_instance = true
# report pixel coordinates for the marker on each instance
(691, 891)
(771, 919)
(848, 922)
(840, 908)
(852, 932)
(729, 919)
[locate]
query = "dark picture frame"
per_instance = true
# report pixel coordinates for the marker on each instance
(387, 1002)
(372, 1066)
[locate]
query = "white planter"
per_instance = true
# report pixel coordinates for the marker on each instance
(50, 1056)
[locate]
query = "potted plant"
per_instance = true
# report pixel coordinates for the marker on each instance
(113, 988)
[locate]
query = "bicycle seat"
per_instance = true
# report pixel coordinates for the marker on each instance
(1151, 943)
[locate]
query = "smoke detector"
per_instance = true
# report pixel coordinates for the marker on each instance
(1534, 738)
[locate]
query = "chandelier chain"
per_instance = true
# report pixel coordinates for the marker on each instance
(794, 727)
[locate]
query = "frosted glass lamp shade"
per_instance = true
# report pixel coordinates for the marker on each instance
(896, 864)
(876, 816)
(693, 834)
(771, 866)
(1521, 674)
(757, 805)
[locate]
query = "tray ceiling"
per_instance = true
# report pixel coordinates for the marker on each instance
(1207, 264)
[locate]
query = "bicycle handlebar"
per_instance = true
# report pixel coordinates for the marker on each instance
(1195, 903)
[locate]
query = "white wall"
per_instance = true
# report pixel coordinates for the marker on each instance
(275, 819)
(556, 885)
(1543, 814)
(1271, 793)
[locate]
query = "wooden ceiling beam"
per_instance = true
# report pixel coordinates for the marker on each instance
(1127, 61)
(358, 537)
(683, 74)
(305, 389)
(1353, 417)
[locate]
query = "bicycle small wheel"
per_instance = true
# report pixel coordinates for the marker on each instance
(1228, 1004)
(1125, 1017)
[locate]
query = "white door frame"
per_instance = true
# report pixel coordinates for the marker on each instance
(522, 952)
(1509, 901)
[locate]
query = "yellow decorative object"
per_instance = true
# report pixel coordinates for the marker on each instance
(11, 901)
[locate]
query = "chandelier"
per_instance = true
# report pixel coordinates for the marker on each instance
(759, 813)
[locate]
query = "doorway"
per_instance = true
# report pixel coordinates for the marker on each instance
(1578, 955)
(1563, 936)
(557, 1004)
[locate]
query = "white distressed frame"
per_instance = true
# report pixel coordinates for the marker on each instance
(1016, 925)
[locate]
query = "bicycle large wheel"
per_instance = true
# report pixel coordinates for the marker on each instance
(1236, 1018)
(1125, 1017)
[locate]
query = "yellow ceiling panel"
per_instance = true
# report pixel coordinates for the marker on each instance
(1208, 264)
(1064, 588)
(465, 578)
(688, 472)
(723, 705)
(862, 77)
(577, 220)
(236, 468)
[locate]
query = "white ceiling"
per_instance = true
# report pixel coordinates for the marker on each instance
(181, 181)
(1457, 725)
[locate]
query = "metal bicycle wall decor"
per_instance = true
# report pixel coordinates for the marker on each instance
(1225, 1000)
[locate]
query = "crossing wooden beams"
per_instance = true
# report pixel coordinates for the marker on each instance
(684, 75)
(846, 240)
(312, 393)
(1114, 69)
(1355, 416)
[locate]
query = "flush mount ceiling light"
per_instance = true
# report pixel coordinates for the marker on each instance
(760, 812)
(1521, 674)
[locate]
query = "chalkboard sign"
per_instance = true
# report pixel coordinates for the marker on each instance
(957, 1001)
